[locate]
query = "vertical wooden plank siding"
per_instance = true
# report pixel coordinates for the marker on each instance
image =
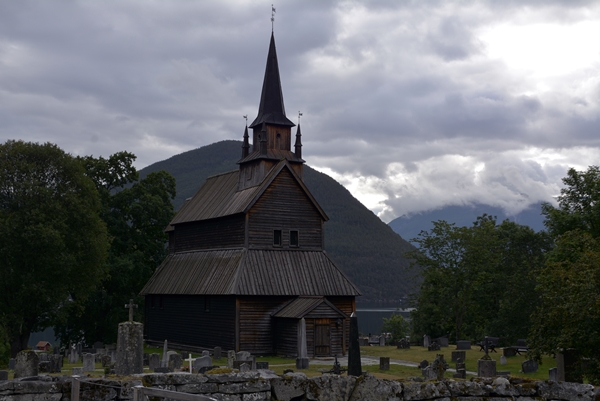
(284, 206)
(286, 337)
(223, 232)
(202, 328)
(256, 323)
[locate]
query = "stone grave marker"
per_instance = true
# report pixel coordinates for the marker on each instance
(205, 353)
(145, 359)
(89, 362)
(11, 364)
(3, 375)
(509, 351)
(242, 356)
(426, 341)
(113, 355)
(463, 345)
(486, 367)
(423, 364)
(262, 365)
(568, 366)
(164, 362)
(43, 367)
(429, 373)
(384, 363)
(130, 348)
(202, 362)
(302, 359)
(439, 366)
(502, 360)
(175, 360)
(73, 356)
(43, 357)
(26, 364)
(442, 341)
(230, 358)
(217, 353)
(154, 361)
(458, 355)
(382, 340)
(529, 366)
(461, 370)
(244, 367)
(54, 363)
(553, 374)
(106, 361)
(354, 362)
(77, 371)
(56, 350)
(434, 346)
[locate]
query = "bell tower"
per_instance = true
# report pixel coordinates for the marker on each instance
(271, 131)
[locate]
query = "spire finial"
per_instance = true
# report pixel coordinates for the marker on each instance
(246, 118)
(299, 115)
(273, 11)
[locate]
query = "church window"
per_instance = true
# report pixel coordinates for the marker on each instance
(293, 237)
(276, 237)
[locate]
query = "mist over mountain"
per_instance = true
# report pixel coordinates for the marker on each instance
(409, 227)
(367, 250)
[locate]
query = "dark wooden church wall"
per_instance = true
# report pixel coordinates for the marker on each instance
(286, 337)
(196, 320)
(256, 323)
(284, 206)
(223, 232)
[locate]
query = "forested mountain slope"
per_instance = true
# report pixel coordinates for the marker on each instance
(364, 247)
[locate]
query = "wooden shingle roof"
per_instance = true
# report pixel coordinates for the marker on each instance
(250, 272)
(219, 196)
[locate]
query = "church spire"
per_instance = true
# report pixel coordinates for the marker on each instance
(298, 144)
(271, 109)
(246, 145)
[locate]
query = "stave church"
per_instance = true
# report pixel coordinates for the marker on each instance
(246, 255)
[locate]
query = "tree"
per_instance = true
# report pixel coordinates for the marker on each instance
(53, 244)
(477, 280)
(136, 214)
(396, 326)
(568, 315)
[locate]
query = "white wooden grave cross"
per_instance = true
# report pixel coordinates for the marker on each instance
(131, 305)
(190, 360)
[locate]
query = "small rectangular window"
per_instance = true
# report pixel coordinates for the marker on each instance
(276, 237)
(293, 237)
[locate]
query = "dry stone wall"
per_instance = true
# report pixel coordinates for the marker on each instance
(265, 385)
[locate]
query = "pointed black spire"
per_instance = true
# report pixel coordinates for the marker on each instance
(246, 145)
(271, 109)
(298, 144)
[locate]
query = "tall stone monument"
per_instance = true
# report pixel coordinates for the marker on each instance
(354, 365)
(302, 360)
(130, 346)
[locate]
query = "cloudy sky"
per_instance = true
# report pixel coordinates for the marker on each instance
(411, 105)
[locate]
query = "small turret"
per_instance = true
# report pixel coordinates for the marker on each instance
(298, 144)
(246, 145)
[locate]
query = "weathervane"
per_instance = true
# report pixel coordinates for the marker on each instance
(246, 118)
(272, 18)
(299, 115)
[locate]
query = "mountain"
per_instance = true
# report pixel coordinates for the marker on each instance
(367, 250)
(409, 227)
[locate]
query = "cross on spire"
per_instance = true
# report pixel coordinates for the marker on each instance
(272, 18)
(131, 306)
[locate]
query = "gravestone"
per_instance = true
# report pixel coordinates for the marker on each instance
(242, 356)
(458, 355)
(502, 360)
(423, 364)
(217, 353)
(426, 341)
(11, 364)
(205, 353)
(164, 362)
(106, 361)
(461, 370)
(3, 375)
(568, 366)
(73, 356)
(429, 373)
(230, 358)
(363, 342)
(382, 340)
(302, 359)
(434, 346)
(153, 361)
(43, 367)
(384, 363)
(262, 365)
(442, 341)
(43, 357)
(130, 349)
(553, 374)
(354, 362)
(54, 363)
(89, 362)
(509, 351)
(486, 367)
(78, 371)
(463, 345)
(145, 359)
(56, 351)
(244, 367)
(201, 362)
(26, 364)
(439, 366)
(113, 355)
(403, 343)
(529, 366)
(175, 360)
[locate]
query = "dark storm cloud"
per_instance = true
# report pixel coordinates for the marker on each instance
(399, 98)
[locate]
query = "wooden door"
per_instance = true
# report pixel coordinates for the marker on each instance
(322, 337)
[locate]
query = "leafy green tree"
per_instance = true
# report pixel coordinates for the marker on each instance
(477, 280)
(397, 326)
(136, 214)
(568, 315)
(53, 244)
